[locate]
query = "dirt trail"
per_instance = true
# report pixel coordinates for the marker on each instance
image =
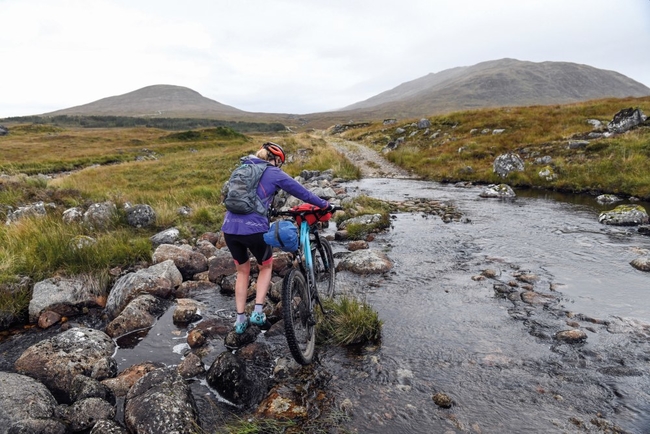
(371, 163)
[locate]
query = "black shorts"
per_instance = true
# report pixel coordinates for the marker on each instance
(240, 244)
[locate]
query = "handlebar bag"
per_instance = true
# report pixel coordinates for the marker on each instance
(282, 234)
(319, 216)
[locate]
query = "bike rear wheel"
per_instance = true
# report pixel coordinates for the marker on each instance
(298, 315)
(324, 268)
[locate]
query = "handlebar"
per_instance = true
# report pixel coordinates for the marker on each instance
(303, 212)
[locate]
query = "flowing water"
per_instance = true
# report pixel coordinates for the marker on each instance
(446, 331)
(497, 360)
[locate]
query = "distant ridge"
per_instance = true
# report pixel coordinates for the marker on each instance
(497, 83)
(160, 100)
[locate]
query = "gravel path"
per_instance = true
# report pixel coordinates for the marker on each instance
(371, 163)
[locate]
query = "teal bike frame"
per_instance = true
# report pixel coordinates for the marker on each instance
(305, 243)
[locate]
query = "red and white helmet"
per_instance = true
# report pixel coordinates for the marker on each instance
(276, 150)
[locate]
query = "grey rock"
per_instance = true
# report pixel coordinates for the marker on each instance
(502, 191)
(161, 402)
(140, 313)
(66, 296)
(625, 215)
(506, 163)
(366, 261)
(100, 215)
(159, 280)
(58, 360)
(26, 403)
(626, 119)
(141, 216)
(168, 236)
(188, 262)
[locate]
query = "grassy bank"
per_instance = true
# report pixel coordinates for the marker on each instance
(455, 148)
(135, 165)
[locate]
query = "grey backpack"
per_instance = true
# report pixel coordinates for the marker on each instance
(242, 195)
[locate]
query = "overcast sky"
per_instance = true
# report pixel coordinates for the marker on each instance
(293, 56)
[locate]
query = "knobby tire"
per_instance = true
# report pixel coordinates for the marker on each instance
(324, 268)
(299, 322)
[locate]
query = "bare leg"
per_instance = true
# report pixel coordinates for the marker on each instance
(241, 285)
(264, 281)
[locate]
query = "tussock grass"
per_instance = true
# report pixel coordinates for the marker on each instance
(348, 322)
(44, 247)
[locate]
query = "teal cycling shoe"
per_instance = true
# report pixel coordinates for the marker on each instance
(258, 318)
(240, 327)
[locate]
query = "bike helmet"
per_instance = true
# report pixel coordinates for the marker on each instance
(276, 150)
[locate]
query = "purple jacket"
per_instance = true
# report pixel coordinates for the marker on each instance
(273, 179)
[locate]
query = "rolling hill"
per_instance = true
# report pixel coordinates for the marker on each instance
(497, 83)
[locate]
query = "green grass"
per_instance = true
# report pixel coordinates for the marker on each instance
(618, 164)
(348, 322)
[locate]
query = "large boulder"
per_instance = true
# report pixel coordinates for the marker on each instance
(506, 163)
(27, 406)
(625, 215)
(365, 262)
(238, 381)
(626, 119)
(161, 402)
(66, 296)
(501, 191)
(56, 362)
(188, 261)
(159, 280)
(139, 314)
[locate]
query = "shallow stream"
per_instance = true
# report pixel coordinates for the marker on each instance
(498, 360)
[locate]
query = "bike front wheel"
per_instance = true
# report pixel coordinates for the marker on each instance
(324, 271)
(298, 315)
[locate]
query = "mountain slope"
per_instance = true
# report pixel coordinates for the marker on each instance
(158, 100)
(505, 82)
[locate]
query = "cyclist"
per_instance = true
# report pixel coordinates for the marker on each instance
(245, 232)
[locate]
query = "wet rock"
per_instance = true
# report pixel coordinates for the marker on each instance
(121, 384)
(140, 216)
(233, 379)
(84, 387)
(644, 230)
(490, 273)
(208, 329)
(357, 245)
(168, 236)
(506, 163)
(66, 296)
(159, 280)
(187, 311)
(502, 191)
(605, 199)
(365, 262)
(625, 215)
(140, 313)
(234, 340)
(442, 400)
(107, 426)
(187, 261)
(58, 360)
(191, 366)
(641, 264)
(48, 318)
(26, 406)
(100, 215)
(161, 401)
(571, 336)
(82, 415)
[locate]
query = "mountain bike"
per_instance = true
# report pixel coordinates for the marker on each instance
(311, 276)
